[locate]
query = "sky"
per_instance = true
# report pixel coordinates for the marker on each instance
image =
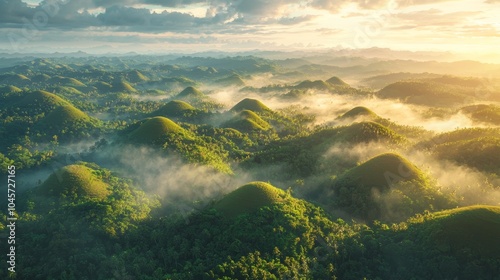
(470, 27)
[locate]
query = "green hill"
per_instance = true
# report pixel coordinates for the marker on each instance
(14, 79)
(249, 198)
(9, 89)
(190, 92)
(153, 130)
(359, 112)
(461, 81)
(122, 86)
(41, 78)
(368, 131)
(247, 121)
(63, 117)
(460, 135)
(318, 85)
(430, 93)
(474, 228)
(103, 86)
(175, 108)
(74, 181)
(481, 153)
(65, 81)
(40, 102)
(387, 187)
(250, 104)
(136, 76)
(336, 81)
(483, 113)
(232, 80)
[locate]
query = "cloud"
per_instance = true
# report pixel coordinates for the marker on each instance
(434, 17)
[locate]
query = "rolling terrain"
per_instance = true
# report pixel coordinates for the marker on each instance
(251, 167)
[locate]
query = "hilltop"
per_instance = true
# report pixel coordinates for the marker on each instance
(190, 92)
(153, 130)
(387, 187)
(40, 101)
(336, 81)
(250, 104)
(249, 198)
(247, 121)
(121, 86)
(359, 112)
(175, 108)
(73, 182)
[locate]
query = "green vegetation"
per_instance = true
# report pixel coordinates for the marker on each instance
(232, 80)
(190, 92)
(40, 101)
(359, 112)
(247, 121)
(482, 113)
(336, 81)
(367, 132)
(343, 203)
(253, 105)
(475, 147)
(65, 81)
(318, 85)
(430, 93)
(249, 198)
(74, 181)
(122, 86)
(386, 187)
(175, 108)
(154, 131)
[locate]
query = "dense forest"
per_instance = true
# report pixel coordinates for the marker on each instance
(246, 167)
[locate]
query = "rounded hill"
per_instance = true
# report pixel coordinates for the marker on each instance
(190, 92)
(249, 198)
(250, 104)
(41, 101)
(153, 130)
(232, 80)
(14, 79)
(359, 112)
(9, 89)
(247, 121)
(318, 85)
(136, 76)
(381, 171)
(336, 81)
(473, 229)
(60, 80)
(387, 187)
(175, 108)
(103, 86)
(64, 117)
(483, 113)
(74, 181)
(122, 86)
(367, 132)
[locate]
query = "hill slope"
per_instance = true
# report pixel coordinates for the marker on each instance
(250, 104)
(249, 198)
(74, 181)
